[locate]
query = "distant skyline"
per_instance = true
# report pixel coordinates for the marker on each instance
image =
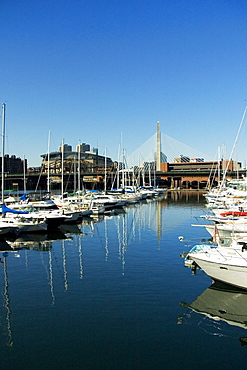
(104, 72)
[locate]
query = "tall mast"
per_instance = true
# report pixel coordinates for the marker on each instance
(118, 167)
(74, 174)
(105, 173)
(3, 149)
(79, 168)
(48, 162)
(24, 174)
(62, 165)
(219, 155)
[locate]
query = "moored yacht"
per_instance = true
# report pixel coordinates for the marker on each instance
(227, 264)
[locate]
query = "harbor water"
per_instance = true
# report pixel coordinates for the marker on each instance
(113, 293)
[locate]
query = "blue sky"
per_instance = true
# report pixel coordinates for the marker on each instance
(99, 71)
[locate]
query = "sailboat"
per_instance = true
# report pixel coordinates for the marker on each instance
(4, 228)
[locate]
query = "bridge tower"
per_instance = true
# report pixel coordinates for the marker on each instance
(158, 147)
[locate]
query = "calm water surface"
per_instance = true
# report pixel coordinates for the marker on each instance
(117, 296)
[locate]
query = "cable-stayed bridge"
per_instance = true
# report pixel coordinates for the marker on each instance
(170, 149)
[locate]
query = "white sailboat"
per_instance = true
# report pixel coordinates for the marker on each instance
(5, 228)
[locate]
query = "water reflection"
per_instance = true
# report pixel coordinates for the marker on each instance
(218, 304)
(37, 242)
(184, 196)
(7, 302)
(67, 266)
(115, 233)
(50, 279)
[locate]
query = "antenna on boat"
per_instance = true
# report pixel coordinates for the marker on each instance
(48, 162)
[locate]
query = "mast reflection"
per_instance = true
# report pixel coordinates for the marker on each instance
(7, 301)
(66, 285)
(51, 277)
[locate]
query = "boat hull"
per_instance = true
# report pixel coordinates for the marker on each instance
(229, 274)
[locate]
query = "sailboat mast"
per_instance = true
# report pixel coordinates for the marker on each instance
(62, 166)
(118, 167)
(79, 167)
(74, 175)
(105, 173)
(219, 155)
(24, 174)
(3, 148)
(235, 142)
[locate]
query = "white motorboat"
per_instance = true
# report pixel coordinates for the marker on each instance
(146, 192)
(106, 200)
(227, 264)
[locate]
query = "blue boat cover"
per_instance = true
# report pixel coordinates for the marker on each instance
(6, 209)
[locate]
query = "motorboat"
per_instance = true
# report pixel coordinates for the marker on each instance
(226, 263)
(107, 200)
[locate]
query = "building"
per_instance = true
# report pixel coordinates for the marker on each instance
(65, 148)
(197, 173)
(82, 148)
(182, 159)
(13, 165)
(89, 161)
